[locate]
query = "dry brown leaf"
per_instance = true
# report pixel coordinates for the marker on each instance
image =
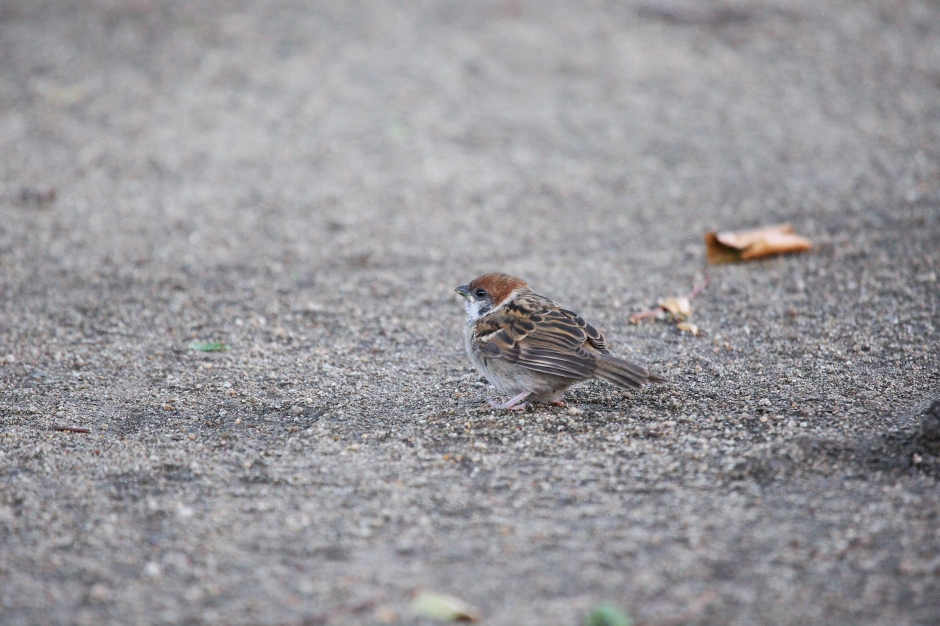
(745, 245)
(443, 608)
(680, 308)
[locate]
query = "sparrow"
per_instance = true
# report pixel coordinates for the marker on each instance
(529, 347)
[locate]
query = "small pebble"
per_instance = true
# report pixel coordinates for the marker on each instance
(152, 569)
(99, 592)
(37, 195)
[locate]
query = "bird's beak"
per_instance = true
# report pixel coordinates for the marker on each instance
(464, 290)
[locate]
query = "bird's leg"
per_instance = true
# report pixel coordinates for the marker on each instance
(560, 403)
(512, 404)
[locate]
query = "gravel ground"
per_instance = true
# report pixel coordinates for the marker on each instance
(307, 182)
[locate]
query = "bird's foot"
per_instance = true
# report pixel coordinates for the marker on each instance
(512, 404)
(560, 403)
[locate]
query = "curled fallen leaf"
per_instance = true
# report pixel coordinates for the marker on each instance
(680, 308)
(728, 247)
(443, 608)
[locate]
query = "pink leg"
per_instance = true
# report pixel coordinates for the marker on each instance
(512, 404)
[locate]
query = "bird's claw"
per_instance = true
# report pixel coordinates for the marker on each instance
(511, 404)
(506, 406)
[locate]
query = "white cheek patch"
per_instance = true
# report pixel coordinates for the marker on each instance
(476, 309)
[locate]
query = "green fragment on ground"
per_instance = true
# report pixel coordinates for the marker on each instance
(209, 346)
(608, 615)
(442, 607)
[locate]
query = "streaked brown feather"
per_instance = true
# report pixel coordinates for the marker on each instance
(532, 332)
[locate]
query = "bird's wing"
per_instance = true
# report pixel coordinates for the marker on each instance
(594, 338)
(539, 336)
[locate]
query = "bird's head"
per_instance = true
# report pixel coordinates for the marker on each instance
(488, 292)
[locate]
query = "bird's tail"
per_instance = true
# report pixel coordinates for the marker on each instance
(625, 374)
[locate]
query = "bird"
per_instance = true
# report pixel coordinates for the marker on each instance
(528, 347)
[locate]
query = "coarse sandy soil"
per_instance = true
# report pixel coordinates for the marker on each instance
(306, 182)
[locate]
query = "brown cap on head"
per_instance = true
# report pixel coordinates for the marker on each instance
(497, 285)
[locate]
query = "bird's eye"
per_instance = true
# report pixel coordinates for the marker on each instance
(480, 293)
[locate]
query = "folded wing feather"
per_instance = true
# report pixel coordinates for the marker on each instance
(547, 340)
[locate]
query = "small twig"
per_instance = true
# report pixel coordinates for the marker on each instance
(699, 288)
(685, 616)
(636, 317)
(72, 429)
(349, 609)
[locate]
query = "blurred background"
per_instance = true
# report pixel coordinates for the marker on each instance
(489, 134)
(306, 183)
